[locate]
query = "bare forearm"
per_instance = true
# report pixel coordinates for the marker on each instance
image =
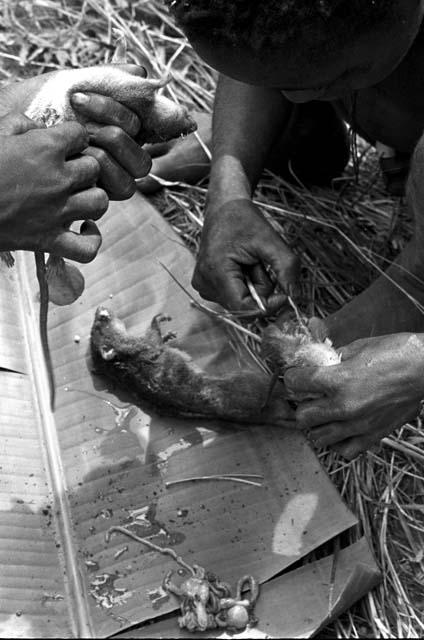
(392, 304)
(246, 122)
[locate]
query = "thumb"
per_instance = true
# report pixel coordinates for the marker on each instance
(352, 349)
(282, 261)
(17, 123)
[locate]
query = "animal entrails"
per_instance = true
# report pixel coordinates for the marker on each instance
(163, 377)
(206, 601)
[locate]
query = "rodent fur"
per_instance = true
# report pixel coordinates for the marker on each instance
(165, 378)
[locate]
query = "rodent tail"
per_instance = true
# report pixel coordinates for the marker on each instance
(40, 265)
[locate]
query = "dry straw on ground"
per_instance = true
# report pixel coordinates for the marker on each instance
(345, 236)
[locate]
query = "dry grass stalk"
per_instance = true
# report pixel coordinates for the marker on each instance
(346, 237)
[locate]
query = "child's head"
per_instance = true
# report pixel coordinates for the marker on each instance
(308, 48)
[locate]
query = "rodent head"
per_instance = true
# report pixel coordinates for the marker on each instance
(106, 332)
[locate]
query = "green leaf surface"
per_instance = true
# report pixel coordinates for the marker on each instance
(106, 457)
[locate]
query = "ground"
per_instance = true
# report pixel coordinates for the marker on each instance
(344, 235)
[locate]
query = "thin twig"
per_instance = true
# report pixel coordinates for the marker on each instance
(230, 478)
(210, 312)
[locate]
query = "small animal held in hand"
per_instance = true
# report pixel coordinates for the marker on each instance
(164, 378)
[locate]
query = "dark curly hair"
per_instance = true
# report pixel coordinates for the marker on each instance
(264, 24)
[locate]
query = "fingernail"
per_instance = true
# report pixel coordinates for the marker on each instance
(80, 99)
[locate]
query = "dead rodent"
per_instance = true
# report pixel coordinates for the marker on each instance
(164, 378)
(161, 119)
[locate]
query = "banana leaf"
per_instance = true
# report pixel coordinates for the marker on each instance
(98, 459)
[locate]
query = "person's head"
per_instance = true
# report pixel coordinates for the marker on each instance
(310, 49)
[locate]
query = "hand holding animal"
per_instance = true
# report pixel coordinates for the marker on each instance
(45, 183)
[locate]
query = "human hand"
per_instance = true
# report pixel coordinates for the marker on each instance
(44, 188)
(181, 160)
(237, 242)
(377, 387)
(111, 125)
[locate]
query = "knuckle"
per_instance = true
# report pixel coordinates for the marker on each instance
(63, 183)
(302, 417)
(92, 165)
(346, 406)
(99, 154)
(114, 134)
(20, 120)
(74, 129)
(52, 142)
(65, 132)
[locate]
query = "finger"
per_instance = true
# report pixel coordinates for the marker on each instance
(90, 204)
(276, 302)
(283, 263)
(158, 149)
(72, 137)
(14, 124)
(351, 448)
(133, 69)
(261, 281)
(123, 149)
(313, 413)
(112, 177)
(319, 380)
(83, 171)
(106, 110)
(266, 288)
(352, 349)
(329, 434)
(226, 288)
(235, 294)
(81, 247)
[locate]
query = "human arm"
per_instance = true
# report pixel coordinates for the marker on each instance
(378, 386)
(237, 240)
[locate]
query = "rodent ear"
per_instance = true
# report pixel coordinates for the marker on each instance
(107, 354)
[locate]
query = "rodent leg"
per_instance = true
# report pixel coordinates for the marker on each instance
(171, 335)
(155, 333)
